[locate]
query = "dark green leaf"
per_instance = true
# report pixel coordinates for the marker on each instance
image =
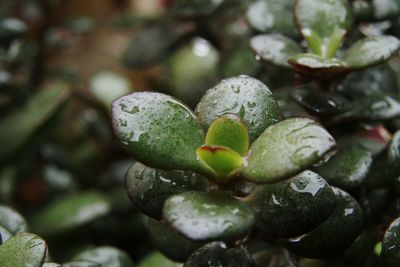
(243, 96)
(312, 64)
(105, 257)
(11, 28)
(23, 250)
(149, 188)
(218, 254)
(391, 244)
(156, 259)
(285, 149)
(275, 48)
(208, 216)
(292, 207)
(158, 130)
(335, 234)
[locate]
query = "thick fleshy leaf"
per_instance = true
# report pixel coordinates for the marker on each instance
(23, 250)
(275, 48)
(228, 131)
(218, 254)
(243, 96)
(156, 259)
(272, 16)
(285, 149)
(158, 130)
(5, 234)
(335, 234)
(323, 23)
(12, 220)
(105, 257)
(195, 8)
(222, 161)
(149, 188)
(292, 207)
(391, 244)
(71, 211)
(150, 45)
(315, 65)
(371, 51)
(381, 173)
(321, 103)
(208, 216)
(348, 168)
(169, 242)
(16, 128)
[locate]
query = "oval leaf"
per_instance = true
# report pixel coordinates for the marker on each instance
(335, 234)
(208, 216)
(149, 188)
(275, 48)
(292, 207)
(158, 130)
(391, 244)
(105, 257)
(285, 149)
(316, 65)
(23, 250)
(371, 51)
(242, 96)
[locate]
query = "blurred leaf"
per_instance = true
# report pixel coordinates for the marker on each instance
(12, 220)
(11, 28)
(316, 65)
(156, 259)
(195, 8)
(105, 257)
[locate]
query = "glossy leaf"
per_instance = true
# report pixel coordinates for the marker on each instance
(275, 48)
(169, 242)
(371, 51)
(348, 168)
(285, 149)
(391, 244)
(18, 126)
(272, 16)
(105, 257)
(242, 96)
(158, 130)
(23, 250)
(208, 216)
(218, 254)
(149, 188)
(335, 234)
(292, 207)
(228, 131)
(70, 212)
(12, 220)
(156, 259)
(316, 65)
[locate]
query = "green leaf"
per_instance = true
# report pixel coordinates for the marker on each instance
(52, 264)
(218, 254)
(169, 242)
(385, 9)
(105, 257)
(228, 131)
(335, 234)
(81, 264)
(5, 234)
(208, 216)
(195, 8)
(323, 23)
(272, 16)
(70, 212)
(348, 168)
(158, 130)
(393, 155)
(317, 66)
(275, 48)
(292, 207)
(17, 127)
(23, 250)
(320, 102)
(156, 259)
(243, 96)
(223, 161)
(149, 188)
(391, 244)
(371, 51)
(12, 220)
(286, 148)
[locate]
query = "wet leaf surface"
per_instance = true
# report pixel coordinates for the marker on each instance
(391, 244)
(285, 149)
(208, 216)
(292, 207)
(275, 48)
(335, 234)
(242, 96)
(23, 250)
(158, 130)
(105, 257)
(315, 65)
(148, 188)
